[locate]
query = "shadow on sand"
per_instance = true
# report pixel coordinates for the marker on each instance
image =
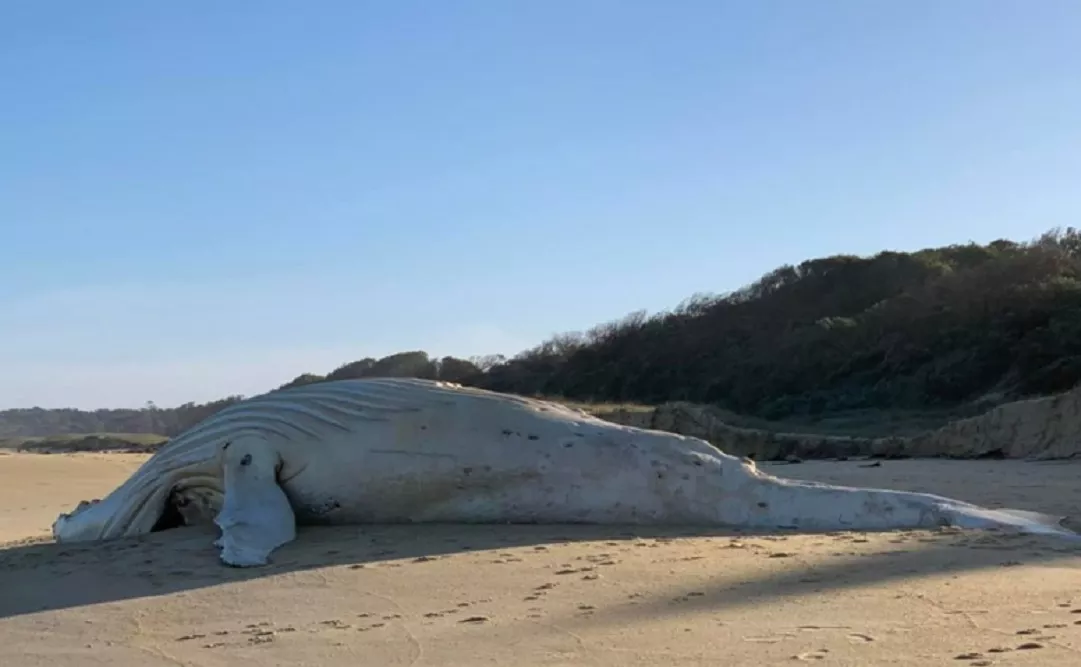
(47, 576)
(946, 554)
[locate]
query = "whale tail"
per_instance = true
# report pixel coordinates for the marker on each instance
(1024, 521)
(814, 505)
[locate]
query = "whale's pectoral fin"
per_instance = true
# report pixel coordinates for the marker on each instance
(256, 517)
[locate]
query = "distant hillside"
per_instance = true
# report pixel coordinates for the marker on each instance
(951, 330)
(933, 329)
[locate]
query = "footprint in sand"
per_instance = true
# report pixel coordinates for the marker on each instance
(572, 570)
(687, 597)
(817, 654)
(769, 639)
(823, 627)
(259, 633)
(186, 638)
(262, 637)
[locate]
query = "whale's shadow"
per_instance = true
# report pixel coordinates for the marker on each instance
(47, 576)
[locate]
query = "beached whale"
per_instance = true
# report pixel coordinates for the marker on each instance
(394, 450)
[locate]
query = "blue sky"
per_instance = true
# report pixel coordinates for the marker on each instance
(205, 198)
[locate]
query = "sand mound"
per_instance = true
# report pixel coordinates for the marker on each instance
(1040, 428)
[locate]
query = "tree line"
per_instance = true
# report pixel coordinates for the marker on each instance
(936, 328)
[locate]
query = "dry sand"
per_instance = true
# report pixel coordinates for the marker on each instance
(532, 595)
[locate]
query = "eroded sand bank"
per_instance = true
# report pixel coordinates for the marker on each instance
(530, 595)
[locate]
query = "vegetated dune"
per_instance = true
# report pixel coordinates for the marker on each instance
(132, 443)
(1041, 428)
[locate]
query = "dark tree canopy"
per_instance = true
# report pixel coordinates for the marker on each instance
(933, 328)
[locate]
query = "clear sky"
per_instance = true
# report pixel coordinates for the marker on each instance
(205, 198)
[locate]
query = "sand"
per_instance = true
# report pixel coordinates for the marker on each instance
(535, 595)
(1044, 427)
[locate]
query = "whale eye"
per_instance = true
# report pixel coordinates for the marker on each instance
(246, 460)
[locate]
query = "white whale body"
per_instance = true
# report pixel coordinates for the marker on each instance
(395, 450)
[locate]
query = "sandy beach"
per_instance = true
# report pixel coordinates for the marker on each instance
(536, 595)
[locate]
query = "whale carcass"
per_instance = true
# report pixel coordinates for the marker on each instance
(392, 450)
